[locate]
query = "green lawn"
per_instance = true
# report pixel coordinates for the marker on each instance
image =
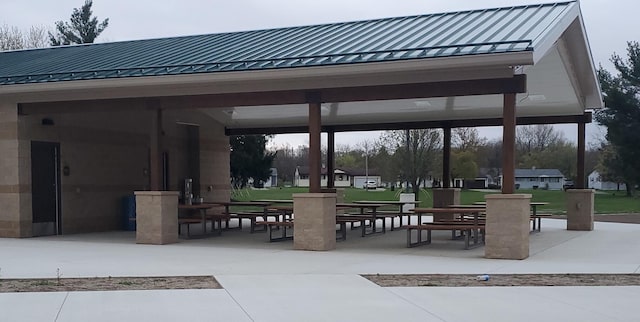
(605, 202)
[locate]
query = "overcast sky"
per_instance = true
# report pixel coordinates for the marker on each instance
(609, 23)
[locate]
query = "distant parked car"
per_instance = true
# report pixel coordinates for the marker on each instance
(568, 185)
(371, 184)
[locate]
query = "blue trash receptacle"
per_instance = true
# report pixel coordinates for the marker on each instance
(129, 212)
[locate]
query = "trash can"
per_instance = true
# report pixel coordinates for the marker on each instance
(129, 212)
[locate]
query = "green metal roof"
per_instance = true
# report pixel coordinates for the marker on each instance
(500, 30)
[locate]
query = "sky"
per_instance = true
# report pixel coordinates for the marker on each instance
(609, 25)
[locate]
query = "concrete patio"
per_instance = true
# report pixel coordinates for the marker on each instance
(271, 282)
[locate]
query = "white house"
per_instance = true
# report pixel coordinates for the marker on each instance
(551, 179)
(595, 182)
(342, 177)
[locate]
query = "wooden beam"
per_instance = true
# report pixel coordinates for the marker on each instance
(509, 144)
(516, 84)
(581, 175)
(446, 158)
(314, 147)
(529, 120)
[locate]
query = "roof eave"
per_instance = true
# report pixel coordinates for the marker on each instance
(439, 69)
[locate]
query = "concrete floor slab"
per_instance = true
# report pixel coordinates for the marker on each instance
(166, 305)
(260, 276)
(281, 298)
(31, 307)
(493, 304)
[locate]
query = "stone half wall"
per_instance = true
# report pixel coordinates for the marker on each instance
(107, 157)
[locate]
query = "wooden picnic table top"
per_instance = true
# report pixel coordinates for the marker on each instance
(274, 200)
(239, 203)
(196, 206)
(533, 203)
(448, 210)
(358, 205)
(387, 202)
(467, 206)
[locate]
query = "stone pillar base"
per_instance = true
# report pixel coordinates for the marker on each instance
(156, 217)
(442, 198)
(315, 221)
(580, 209)
(507, 226)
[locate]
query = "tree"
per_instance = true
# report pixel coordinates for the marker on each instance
(622, 115)
(415, 154)
(463, 165)
(543, 147)
(12, 38)
(536, 138)
(83, 28)
(467, 139)
(612, 167)
(249, 159)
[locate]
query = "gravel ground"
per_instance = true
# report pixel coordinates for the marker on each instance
(108, 284)
(463, 280)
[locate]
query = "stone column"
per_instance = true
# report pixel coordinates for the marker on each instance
(157, 217)
(508, 226)
(580, 209)
(315, 221)
(444, 197)
(15, 176)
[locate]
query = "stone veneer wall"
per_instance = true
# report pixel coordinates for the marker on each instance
(108, 157)
(15, 199)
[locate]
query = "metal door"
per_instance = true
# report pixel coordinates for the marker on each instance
(45, 188)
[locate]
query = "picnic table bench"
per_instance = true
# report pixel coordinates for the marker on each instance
(468, 229)
(284, 226)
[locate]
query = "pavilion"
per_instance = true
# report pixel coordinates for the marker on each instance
(83, 125)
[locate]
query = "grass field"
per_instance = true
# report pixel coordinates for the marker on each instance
(605, 202)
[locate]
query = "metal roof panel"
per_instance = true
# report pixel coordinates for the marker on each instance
(499, 30)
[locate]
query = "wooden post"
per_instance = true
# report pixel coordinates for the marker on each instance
(580, 180)
(155, 148)
(315, 118)
(509, 144)
(331, 137)
(446, 158)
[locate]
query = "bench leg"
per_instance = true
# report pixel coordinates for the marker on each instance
(420, 242)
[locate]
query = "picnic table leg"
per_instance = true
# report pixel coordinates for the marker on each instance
(203, 213)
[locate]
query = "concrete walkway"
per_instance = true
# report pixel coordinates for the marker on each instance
(270, 282)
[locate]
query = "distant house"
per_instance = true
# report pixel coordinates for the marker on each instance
(595, 182)
(482, 181)
(551, 179)
(342, 177)
(273, 179)
(360, 176)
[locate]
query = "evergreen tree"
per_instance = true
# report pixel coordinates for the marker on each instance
(249, 159)
(622, 115)
(83, 28)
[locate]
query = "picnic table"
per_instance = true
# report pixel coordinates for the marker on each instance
(392, 203)
(371, 215)
(251, 215)
(202, 209)
(535, 217)
(468, 228)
